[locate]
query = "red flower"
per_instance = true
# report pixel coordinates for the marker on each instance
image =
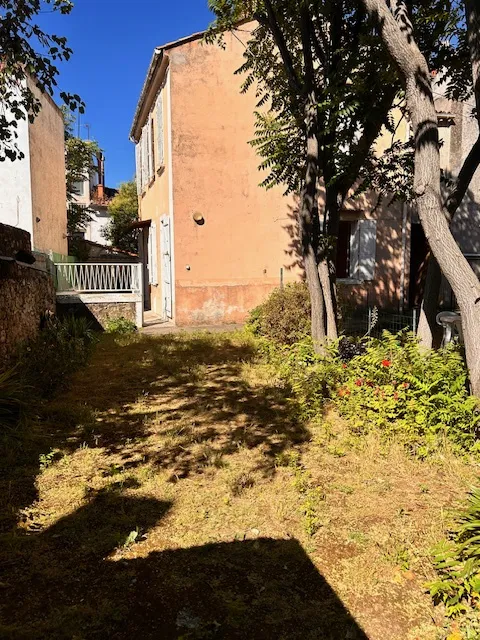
(386, 363)
(395, 395)
(344, 366)
(369, 383)
(358, 382)
(405, 385)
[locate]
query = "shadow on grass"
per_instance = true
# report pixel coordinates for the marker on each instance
(176, 401)
(65, 583)
(166, 400)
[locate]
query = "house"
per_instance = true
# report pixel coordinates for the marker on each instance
(214, 243)
(92, 194)
(32, 189)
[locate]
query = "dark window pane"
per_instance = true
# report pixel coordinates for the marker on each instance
(343, 249)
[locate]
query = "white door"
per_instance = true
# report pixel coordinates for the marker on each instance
(165, 248)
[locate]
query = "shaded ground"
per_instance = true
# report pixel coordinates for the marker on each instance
(173, 492)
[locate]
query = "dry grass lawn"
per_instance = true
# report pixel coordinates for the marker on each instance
(173, 492)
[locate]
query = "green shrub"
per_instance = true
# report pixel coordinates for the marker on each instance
(12, 399)
(284, 317)
(312, 378)
(421, 396)
(61, 347)
(457, 562)
(391, 385)
(120, 326)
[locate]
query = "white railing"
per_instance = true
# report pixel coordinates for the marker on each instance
(98, 277)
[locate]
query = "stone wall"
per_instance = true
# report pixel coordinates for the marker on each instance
(98, 313)
(26, 293)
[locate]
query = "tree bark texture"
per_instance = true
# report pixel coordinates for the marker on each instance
(427, 329)
(397, 35)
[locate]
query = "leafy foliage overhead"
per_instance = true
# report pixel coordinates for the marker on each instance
(356, 86)
(28, 52)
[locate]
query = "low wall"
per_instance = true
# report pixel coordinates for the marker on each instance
(99, 308)
(26, 293)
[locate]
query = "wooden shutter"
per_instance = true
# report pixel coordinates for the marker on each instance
(144, 156)
(367, 249)
(160, 133)
(152, 254)
(138, 166)
(149, 150)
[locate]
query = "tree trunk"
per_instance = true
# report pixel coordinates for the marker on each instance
(428, 331)
(427, 328)
(329, 298)
(307, 220)
(308, 214)
(402, 47)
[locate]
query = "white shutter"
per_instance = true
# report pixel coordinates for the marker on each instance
(152, 254)
(160, 156)
(367, 248)
(138, 166)
(144, 142)
(149, 150)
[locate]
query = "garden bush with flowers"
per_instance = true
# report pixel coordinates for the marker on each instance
(390, 384)
(417, 395)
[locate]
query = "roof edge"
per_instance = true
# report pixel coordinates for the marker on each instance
(157, 58)
(152, 67)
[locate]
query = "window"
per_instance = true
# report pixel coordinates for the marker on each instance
(343, 249)
(356, 249)
(79, 188)
(160, 131)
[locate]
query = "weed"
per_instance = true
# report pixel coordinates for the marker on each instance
(114, 470)
(345, 489)
(311, 518)
(288, 458)
(240, 483)
(131, 538)
(457, 561)
(12, 399)
(120, 326)
(47, 459)
(400, 557)
(358, 536)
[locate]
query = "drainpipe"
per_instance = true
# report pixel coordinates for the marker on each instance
(403, 262)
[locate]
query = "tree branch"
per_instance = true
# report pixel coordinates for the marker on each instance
(472, 161)
(373, 124)
(293, 79)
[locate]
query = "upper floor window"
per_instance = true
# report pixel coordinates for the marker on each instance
(149, 151)
(79, 188)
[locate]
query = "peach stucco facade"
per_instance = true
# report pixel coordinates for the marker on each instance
(232, 241)
(47, 170)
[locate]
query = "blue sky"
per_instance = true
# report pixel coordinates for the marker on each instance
(112, 42)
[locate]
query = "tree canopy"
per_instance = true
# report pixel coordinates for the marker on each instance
(123, 210)
(27, 51)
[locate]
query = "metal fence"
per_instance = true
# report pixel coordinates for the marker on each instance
(98, 277)
(373, 321)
